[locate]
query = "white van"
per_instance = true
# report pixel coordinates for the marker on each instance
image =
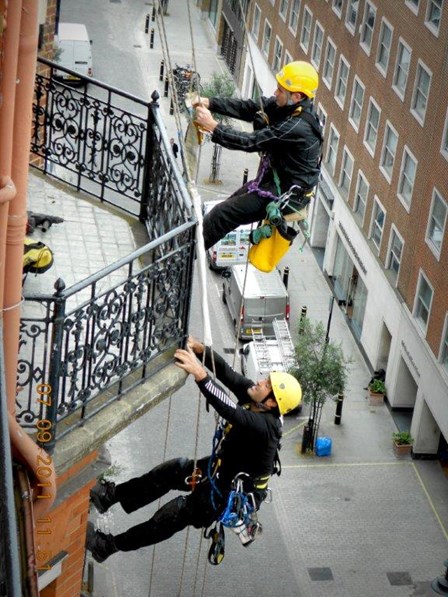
(254, 299)
(230, 250)
(75, 51)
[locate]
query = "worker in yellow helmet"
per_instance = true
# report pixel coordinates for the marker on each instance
(246, 448)
(287, 133)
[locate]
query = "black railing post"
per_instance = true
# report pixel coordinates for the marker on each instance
(245, 175)
(54, 372)
(338, 414)
(148, 161)
(151, 39)
(162, 68)
(302, 319)
(165, 90)
(147, 23)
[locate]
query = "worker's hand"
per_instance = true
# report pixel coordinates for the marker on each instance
(204, 119)
(187, 361)
(196, 346)
(200, 101)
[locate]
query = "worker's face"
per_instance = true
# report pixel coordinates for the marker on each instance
(258, 392)
(282, 97)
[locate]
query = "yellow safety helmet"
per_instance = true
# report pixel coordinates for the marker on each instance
(287, 391)
(299, 76)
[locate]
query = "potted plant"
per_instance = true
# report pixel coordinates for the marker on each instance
(377, 391)
(402, 442)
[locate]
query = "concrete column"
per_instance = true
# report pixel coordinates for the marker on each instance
(424, 429)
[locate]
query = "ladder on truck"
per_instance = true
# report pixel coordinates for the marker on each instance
(284, 341)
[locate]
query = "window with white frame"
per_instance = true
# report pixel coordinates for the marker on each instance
(361, 194)
(372, 125)
(377, 224)
(413, 5)
(444, 349)
(423, 301)
(267, 37)
(395, 253)
(306, 29)
(256, 22)
(352, 14)
(402, 68)
(322, 117)
(278, 53)
(444, 148)
(332, 151)
(389, 151)
(341, 81)
(318, 40)
(356, 103)
(288, 57)
(421, 92)
(294, 15)
(283, 8)
(346, 172)
(367, 27)
(384, 45)
(437, 223)
(433, 14)
(330, 57)
(337, 7)
(407, 177)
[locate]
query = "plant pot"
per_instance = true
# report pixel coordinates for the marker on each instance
(376, 399)
(401, 450)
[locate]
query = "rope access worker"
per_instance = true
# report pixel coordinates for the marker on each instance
(250, 439)
(288, 134)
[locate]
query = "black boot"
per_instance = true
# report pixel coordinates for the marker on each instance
(103, 495)
(100, 545)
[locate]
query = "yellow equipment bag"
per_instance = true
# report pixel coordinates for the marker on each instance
(269, 251)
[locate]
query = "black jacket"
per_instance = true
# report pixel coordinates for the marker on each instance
(290, 141)
(251, 443)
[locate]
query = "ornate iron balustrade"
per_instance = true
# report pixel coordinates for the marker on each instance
(74, 353)
(109, 144)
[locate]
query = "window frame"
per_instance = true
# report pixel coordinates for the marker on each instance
(292, 12)
(351, 27)
(407, 153)
(332, 45)
(356, 201)
(444, 144)
(436, 250)
(392, 255)
(413, 5)
(401, 44)
(356, 81)
(376, 209)
(365, 27)
(421, 67)
(266, 24)
(344, 172)
(334, 134)
(337, 12)
(317, 28)
(385, 25)
(384, 169)
(435, 30)
(372, 104)
(306, 44)
(283, 15)
(423, 325)
(256, 17)
(340, 98)
(277, 64)
(443, 350)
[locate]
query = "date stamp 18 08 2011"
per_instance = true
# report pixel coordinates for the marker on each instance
(44, 474)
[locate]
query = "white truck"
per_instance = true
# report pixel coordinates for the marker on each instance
(75, 51)
(263, 355)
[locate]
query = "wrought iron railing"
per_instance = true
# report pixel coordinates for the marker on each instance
(10, 582)
(103, 334)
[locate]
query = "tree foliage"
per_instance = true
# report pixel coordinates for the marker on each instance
(322, 367)
(220, 85)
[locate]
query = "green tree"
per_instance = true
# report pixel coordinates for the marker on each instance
(322, 373)
(220, 85)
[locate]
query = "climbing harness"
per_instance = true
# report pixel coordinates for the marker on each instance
(240, 514)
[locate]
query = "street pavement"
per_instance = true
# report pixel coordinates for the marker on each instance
(358, 523)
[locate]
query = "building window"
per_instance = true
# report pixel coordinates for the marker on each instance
(330, 57)
(401, 69)
(294, 16)
(437, 223)
(444, 148)
(407, 178)
(421, 93)
(356, 103)
(267, 38)
(322, 117)
(413, 5)
(341, 82)
(288, 57)
(423, 302)
(317, 45)
(372, 125)
(444, 351)
(283, 9)
(384, 45)
(306, 30)
(362, 192)
(433, 14)
(395, 253)
(389, 151)
(367, 27)
(377, 224)
(332, 151)
(352, 14)
(278, 53)
(337, 7)
(346, 172)
(256, 22)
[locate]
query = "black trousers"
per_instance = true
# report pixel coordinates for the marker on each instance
(194, 509)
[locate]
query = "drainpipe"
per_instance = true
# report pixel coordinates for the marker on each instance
(22, 36)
